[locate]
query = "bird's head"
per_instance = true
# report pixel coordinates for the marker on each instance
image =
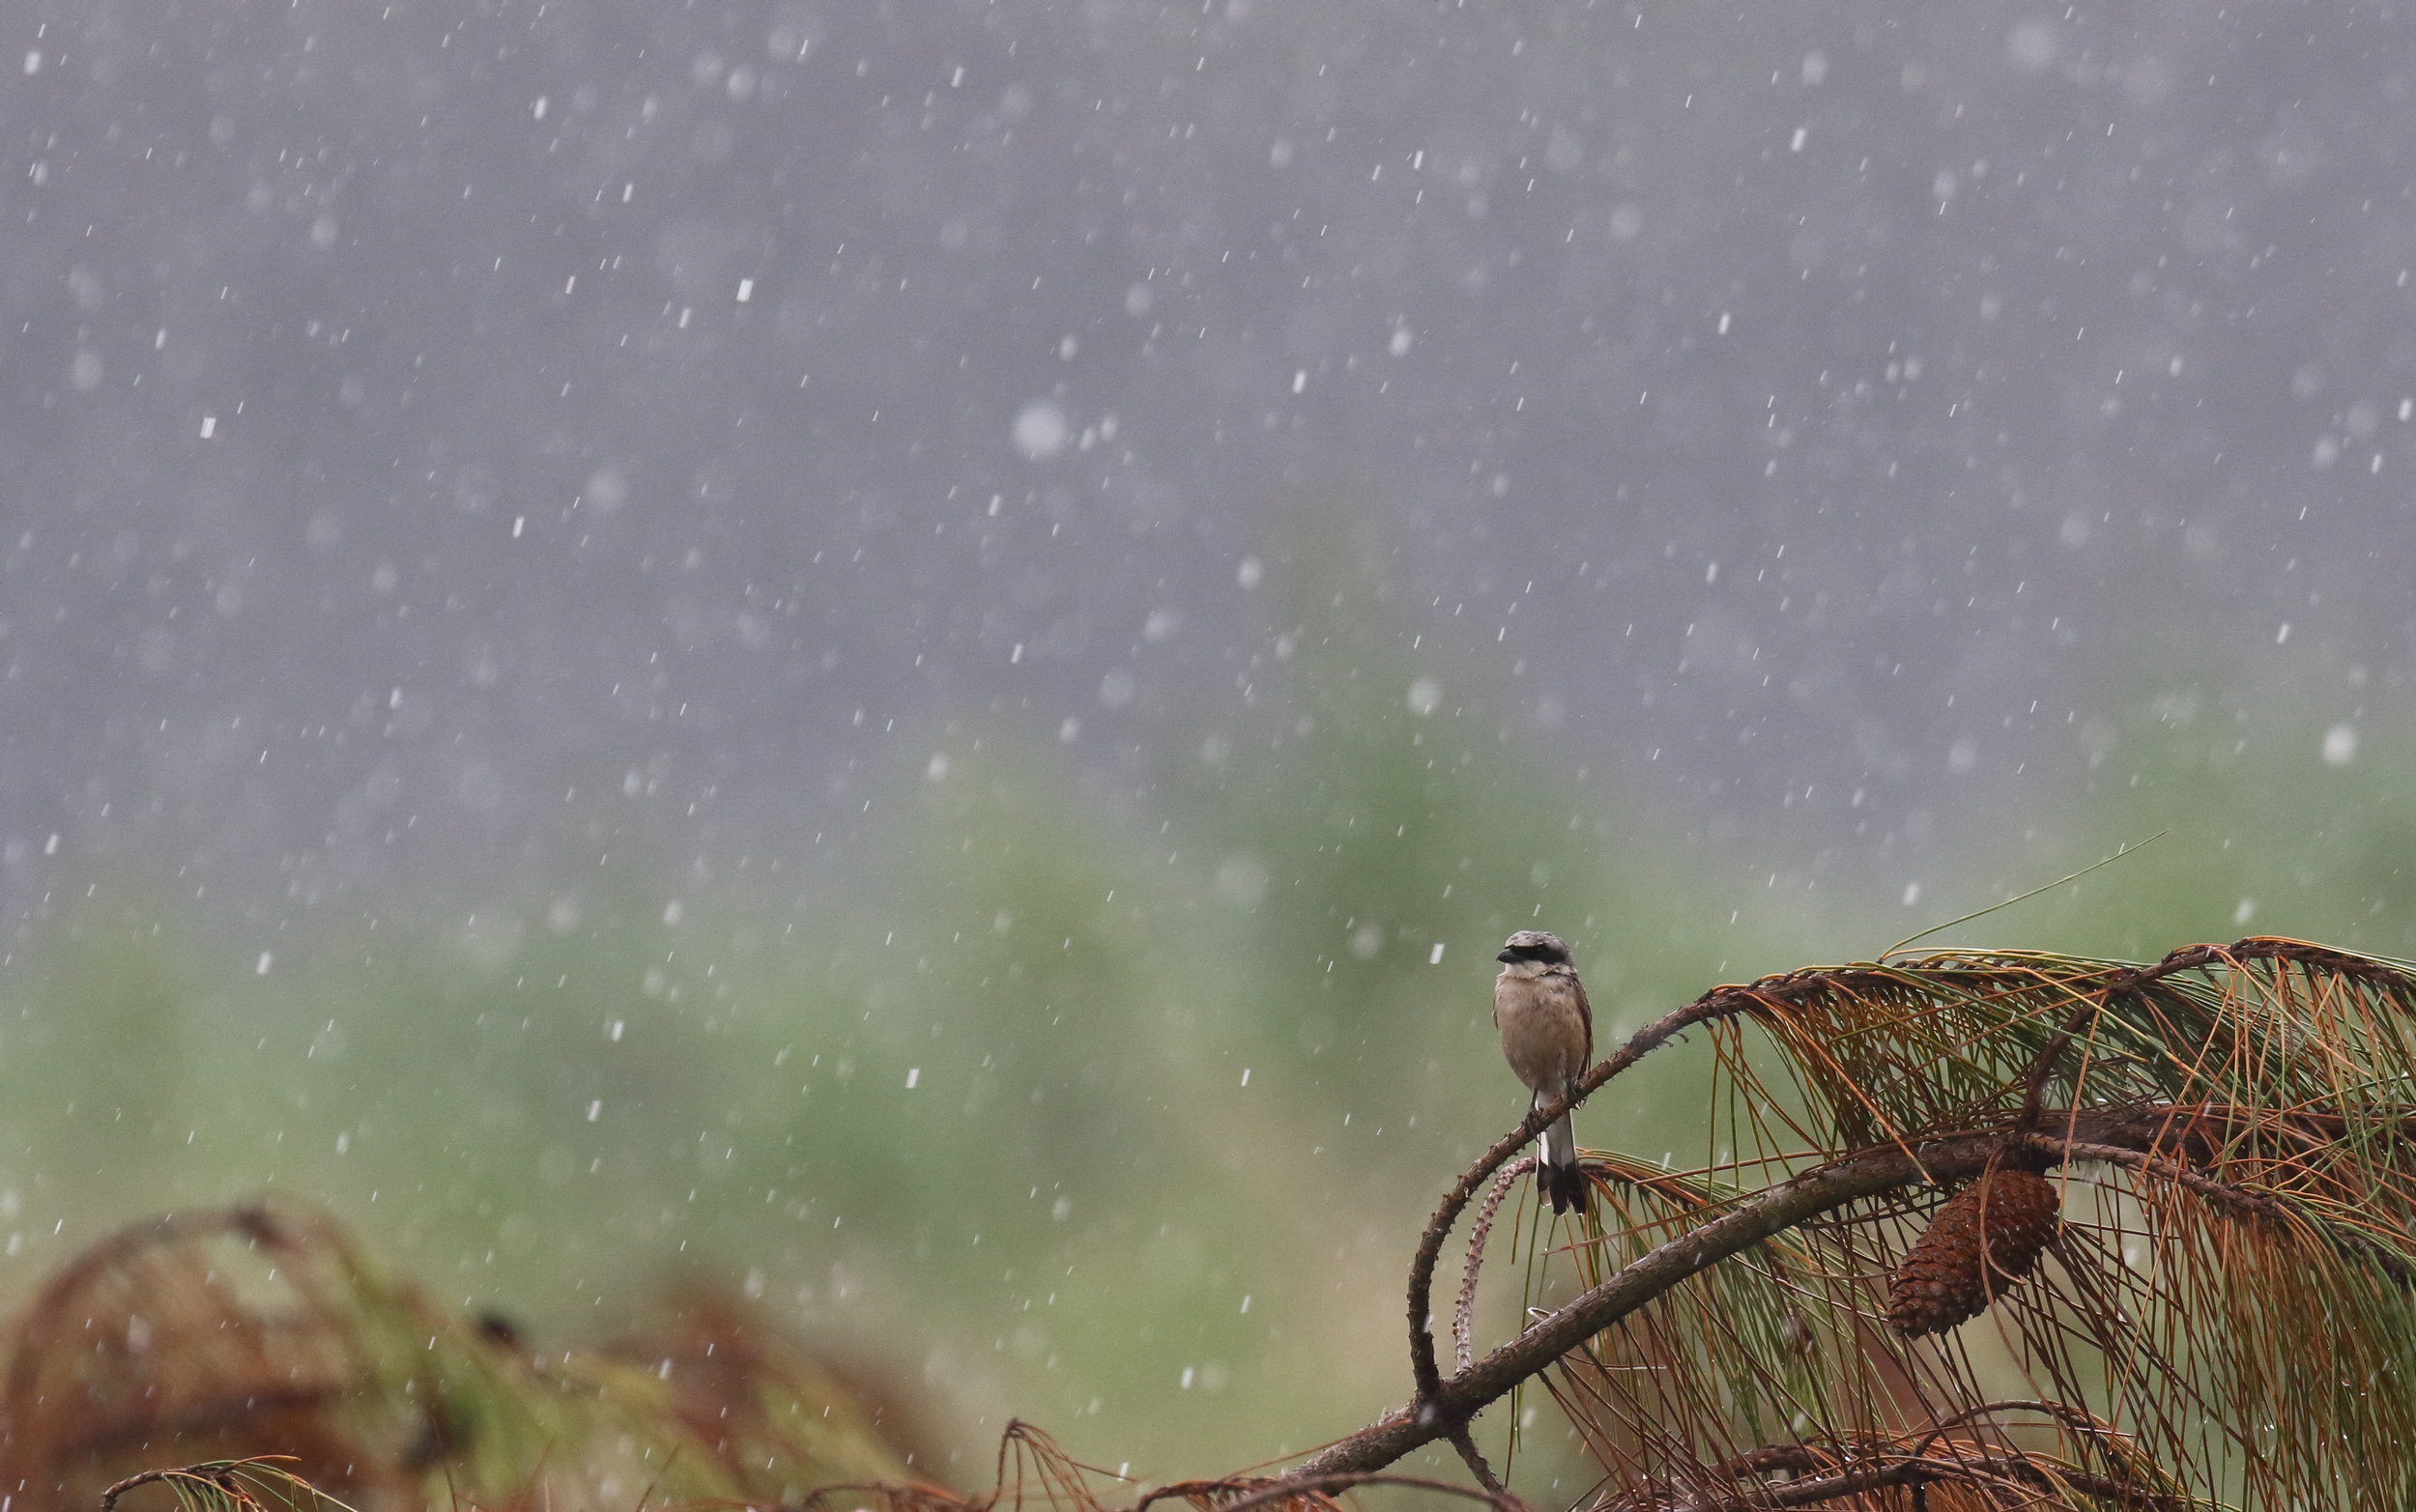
(1533, 948)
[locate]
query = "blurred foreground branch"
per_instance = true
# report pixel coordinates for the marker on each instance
(211, 1340)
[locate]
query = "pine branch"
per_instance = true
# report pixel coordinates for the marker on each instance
(1770, 1212)
(1769, 994)
(2146, 1140)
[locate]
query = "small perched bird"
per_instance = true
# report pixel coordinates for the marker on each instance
(1547, 1037)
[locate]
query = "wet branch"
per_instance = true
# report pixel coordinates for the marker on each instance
(1779, 1208)
(2140, 1139)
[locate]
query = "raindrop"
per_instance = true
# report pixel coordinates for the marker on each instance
(2031, 46)
(1040, 430)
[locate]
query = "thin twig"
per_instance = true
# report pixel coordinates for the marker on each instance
(1463, 1316)
(222, 1474)
(1473, 1458)
(109, 1497)
(1260, 1494)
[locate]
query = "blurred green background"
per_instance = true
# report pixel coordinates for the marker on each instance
(869, 649)
(1119, 1114)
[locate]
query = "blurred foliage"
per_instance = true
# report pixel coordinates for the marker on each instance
(1111, 1106)
(2308, 838)
(212, 1336)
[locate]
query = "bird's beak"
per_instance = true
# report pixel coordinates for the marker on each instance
(1503, 958)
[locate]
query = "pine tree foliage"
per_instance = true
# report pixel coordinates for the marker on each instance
(2224, 1314)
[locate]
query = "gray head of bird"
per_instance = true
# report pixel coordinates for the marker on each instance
(1537, 946)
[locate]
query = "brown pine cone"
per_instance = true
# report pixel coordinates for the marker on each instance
(1939, 1283)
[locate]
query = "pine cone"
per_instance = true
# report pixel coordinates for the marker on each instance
(1939, 1283)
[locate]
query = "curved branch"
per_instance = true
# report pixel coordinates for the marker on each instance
(2128, 1136)
(1817, 1477)
(2238, 1199)
(2244, 1200)
(2083, 1424)
(1438, 1405)
(109, 1497)
(1259, 1494)
(221, 1476)
(1769, 1212)
(1719, 1003)
(2018, 1468)
(1772, 993)
(1421, 1265)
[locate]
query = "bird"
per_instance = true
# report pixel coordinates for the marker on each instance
(1547, 1037)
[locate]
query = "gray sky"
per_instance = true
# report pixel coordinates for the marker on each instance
(1838, 429)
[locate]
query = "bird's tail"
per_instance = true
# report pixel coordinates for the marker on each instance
(1557, 1170)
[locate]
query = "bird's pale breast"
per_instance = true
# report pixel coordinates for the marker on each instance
(1543, 1031)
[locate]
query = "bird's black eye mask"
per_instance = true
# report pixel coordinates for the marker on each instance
(1543, 954)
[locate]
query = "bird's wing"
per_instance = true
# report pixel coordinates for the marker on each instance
(1585, 1017)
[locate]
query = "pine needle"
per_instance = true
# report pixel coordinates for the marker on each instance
(1982, 913)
